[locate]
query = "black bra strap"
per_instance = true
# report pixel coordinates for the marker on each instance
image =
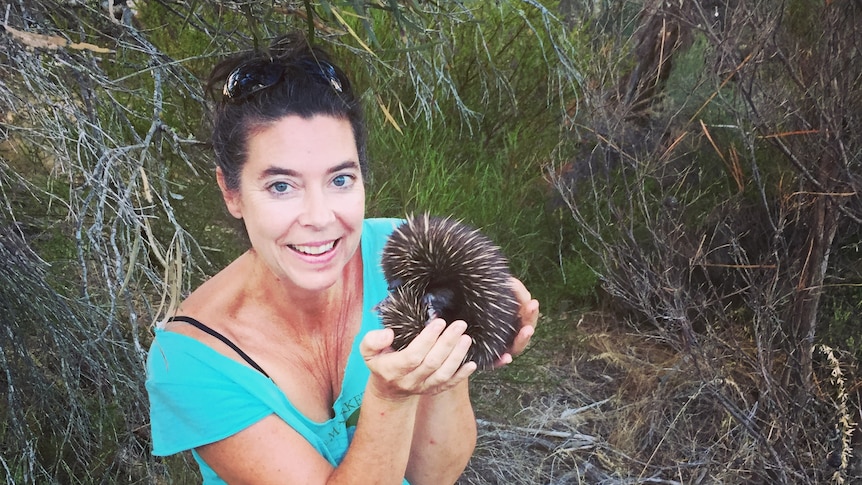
(201, 326)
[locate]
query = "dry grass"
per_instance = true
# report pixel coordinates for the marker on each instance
(595, 402)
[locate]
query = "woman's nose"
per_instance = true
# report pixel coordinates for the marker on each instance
(317, 210)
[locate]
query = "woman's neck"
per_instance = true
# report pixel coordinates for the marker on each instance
(308, 311)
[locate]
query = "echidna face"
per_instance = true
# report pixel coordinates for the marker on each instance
(441, 303)
(442, 268)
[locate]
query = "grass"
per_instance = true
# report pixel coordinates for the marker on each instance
(440, 172)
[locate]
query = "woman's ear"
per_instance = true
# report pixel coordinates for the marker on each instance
(231, 197)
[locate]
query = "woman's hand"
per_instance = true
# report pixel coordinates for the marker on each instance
(529, 314)
(430, 364)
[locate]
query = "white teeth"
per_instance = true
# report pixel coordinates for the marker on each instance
(314, 250)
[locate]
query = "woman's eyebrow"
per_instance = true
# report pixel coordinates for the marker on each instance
(272, 171)
(343, 166)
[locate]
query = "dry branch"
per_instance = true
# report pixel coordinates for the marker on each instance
(41, 41)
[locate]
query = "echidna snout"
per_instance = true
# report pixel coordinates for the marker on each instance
(439, 267)
(440, 303)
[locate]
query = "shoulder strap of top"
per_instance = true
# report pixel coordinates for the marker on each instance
(201, 326)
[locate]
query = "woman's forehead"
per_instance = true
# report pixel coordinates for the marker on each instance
(296, 144)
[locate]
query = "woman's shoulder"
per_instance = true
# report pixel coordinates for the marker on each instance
(384, 225)
(375, 233)
(205, 301)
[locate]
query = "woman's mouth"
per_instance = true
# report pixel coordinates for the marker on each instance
(313, 249)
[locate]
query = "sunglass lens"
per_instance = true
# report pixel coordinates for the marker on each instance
(330, 75)
(250, 77)
(323, 71)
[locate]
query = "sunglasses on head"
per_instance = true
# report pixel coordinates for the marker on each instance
(256, 75)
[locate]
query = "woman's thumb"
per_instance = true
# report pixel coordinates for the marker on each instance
(376, 341)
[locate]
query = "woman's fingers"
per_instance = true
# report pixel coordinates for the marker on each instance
(529, 314)
(431, 363)
(522, 339)
(427, 339)
(445, 360)
(446, 344)
(529, 311)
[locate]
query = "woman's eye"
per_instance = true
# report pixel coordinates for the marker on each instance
(279, 187)
(342, 181)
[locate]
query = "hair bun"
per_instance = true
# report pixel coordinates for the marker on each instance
(290, 46)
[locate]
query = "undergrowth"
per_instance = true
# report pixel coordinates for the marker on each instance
(596, 400)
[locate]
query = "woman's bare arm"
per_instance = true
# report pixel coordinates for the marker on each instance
(444, 437)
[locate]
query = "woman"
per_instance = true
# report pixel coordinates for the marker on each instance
(277, 370)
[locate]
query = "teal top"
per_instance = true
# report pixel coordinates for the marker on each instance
(199, 396)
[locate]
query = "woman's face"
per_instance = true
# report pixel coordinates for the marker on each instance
(302, 198)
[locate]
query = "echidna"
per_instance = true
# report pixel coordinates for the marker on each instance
(440, 267)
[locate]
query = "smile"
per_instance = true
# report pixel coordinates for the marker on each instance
(313, 250)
